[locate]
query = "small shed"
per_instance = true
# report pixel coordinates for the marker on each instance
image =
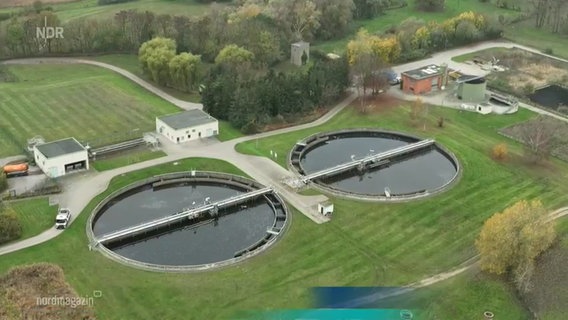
(187, 126)
(484, 108)
(325, 208)
(61, 157)
(299, 50)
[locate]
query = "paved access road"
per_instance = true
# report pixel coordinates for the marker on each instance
(80, 189)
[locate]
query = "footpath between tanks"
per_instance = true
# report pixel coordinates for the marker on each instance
(99, 182)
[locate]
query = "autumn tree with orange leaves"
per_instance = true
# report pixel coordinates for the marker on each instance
(511, 240)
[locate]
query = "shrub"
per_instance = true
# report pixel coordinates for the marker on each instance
(3, 181)
(500, 152)
(548, 51)
(528, 89)
(105, 2)
(10, 225)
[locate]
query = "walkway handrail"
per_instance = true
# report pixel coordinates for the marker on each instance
(376, 157)
(181, 215)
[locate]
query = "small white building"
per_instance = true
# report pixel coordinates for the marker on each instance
(61, 157)
(325, 208)
(484, 108)
(187, 126)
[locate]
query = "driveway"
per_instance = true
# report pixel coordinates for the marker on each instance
(81, 188)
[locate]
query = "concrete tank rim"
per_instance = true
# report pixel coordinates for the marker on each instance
(375, 198)
(182, 268)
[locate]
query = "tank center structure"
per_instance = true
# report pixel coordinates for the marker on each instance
(371, 164)
(187, 221)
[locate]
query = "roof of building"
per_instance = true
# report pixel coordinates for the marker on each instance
(326, 203)
(470, 79)
(187, 119)
(424, 72)
(60, 147)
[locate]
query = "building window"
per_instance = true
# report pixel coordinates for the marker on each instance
(43, 162)
(193, 130)
(189, 136)
(187, 132)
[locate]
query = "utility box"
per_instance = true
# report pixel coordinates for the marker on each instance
(325, 208)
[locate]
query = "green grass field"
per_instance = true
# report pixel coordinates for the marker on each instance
(35, 214)
(309, 255)
(364, 245)
(129, 62)
(524, 33)
(470, 136)
(89, 103)
(131, 157)
(89, 8)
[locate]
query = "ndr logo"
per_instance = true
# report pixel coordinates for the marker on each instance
(46, 32)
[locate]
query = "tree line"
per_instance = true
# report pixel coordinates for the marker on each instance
(249, 98)
(552, 14)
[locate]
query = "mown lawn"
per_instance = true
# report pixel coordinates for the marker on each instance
(35, 214)
(128, 62)
(90, 9)
(123, 160)
(526, 34)
(438, 232)
(92, 104)
(131, 63)
(364, 245)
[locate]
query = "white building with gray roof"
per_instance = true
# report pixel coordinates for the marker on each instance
(187, 126)
(61, 157)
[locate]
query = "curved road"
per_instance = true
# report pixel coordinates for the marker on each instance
(82, 188)
(143, 83)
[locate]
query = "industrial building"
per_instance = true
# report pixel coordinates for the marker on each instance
(187, 126)
(425, 79)
(471, 88)
(61, 157)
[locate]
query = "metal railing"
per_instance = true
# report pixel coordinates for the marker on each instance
(194, 175)
(189, 214)
(369, 159)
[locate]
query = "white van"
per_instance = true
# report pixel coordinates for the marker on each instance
(63, 218)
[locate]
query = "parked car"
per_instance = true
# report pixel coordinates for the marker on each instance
(63, 218)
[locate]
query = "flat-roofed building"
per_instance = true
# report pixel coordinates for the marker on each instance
(425, 79)
(187, 126)
(61, 157)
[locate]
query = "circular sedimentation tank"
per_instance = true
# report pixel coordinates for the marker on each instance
(412, 175)
(209, 238)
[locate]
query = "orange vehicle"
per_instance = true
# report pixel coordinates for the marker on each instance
(16, 169)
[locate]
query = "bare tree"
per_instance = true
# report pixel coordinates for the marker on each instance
(538, 137)
(300, 17)
(540, 11)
